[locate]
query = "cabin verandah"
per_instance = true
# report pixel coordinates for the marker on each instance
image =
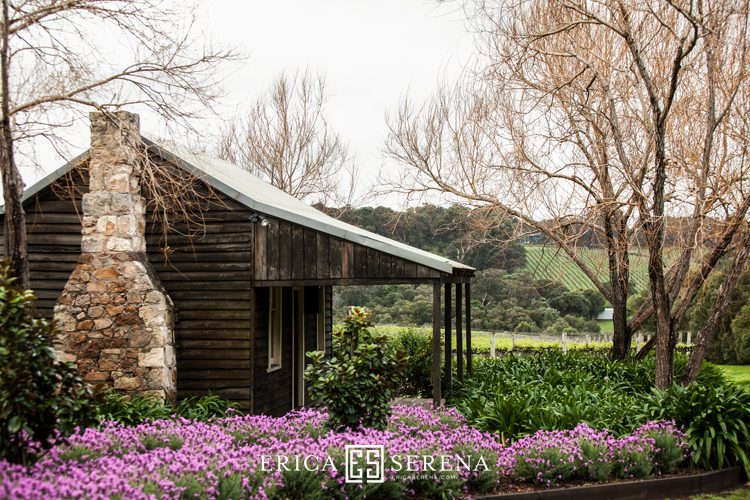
(316, 260)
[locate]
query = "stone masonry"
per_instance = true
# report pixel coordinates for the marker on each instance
(115, 316)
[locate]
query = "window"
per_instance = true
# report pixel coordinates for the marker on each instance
(274, 329)
(322, 318)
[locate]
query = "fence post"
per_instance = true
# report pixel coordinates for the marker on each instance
(588, 340)
(688, 338)
(638, 343)
(512, 341)
(564, 342)
(492, 345)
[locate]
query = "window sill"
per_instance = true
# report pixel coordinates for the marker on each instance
(273, 368)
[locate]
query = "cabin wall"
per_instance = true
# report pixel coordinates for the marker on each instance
(272, 391)
(208, 277)
(53, 226)
(314, 256)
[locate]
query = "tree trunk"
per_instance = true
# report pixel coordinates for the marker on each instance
(666, 341)
(708, 332)
(622, 335)
(619, 276)
(15, 217)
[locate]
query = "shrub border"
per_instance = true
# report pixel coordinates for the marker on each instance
(656, 489)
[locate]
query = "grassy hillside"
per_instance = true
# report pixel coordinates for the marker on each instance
(547, 261)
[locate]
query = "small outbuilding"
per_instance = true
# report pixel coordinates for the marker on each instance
(227, 297)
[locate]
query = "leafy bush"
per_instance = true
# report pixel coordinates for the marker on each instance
(41, 398)
(130, 410)
(518, 395)
(136, 409)
(358, 382)
(205, 408)
(416, 351)
(715, 418)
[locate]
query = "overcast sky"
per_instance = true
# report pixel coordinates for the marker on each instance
(372, 52)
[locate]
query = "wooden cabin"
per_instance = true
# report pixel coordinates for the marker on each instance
(252, 290)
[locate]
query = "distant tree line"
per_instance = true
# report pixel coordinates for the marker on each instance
(504, 297)
(474, 237)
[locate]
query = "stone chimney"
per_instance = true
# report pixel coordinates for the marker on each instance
(115, 317)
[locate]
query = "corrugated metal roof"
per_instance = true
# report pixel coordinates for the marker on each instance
(258, 195)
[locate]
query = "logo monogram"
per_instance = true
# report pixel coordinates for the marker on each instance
(365, 463)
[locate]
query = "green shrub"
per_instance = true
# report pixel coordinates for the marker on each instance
(668, 454)
(518, 395)
(599, 466)
(632, 462)
(39, 395)
(416, 351)
(130, 410)
(205, 407)
(78, 453)
(136, 409)
(715, 420)
(548, 465)
(359, 381)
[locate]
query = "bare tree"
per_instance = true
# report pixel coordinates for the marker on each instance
(54, 67)
(600, 118)
(286, 140)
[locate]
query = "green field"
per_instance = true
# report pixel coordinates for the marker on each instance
(503, 341)
(548, 261)
(739, 374)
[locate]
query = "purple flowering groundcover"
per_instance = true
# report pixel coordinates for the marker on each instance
(422, 452)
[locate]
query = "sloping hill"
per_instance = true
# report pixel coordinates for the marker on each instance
(547, 261)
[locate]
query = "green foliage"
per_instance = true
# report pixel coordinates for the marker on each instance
(358, 382)
(549, 465)
(595, 454)
(715, 417)
(525, 326)
(204, 407)
(416, 351)
(230, 488)
(740, 339)
(39, 395)
(668, 453)
(481, 239)
(172, 441)
(300, 485)
(130, 410)
(632, 462)
(501, 302)
(517, 395)
(573, 303)
(732, 342)
(78, 453)
(740, 375)
(135, 409)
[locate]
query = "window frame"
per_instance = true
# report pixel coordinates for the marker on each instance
(321, 320)
(275, 329)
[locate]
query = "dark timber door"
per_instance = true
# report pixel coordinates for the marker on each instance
(298, 349)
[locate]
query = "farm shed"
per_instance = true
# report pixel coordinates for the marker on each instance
(159, 308)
